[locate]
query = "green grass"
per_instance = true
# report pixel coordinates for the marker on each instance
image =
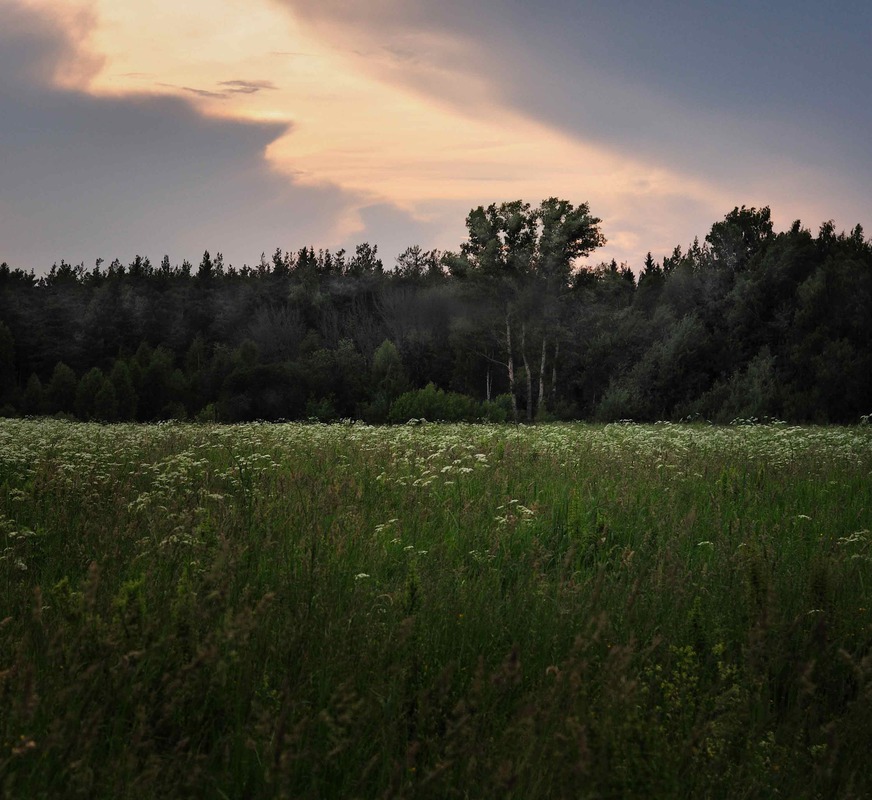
(434, 611)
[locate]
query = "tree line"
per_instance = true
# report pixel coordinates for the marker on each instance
(748, 323)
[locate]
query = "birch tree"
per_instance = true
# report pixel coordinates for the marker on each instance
(566, 233)
(520, 260)
(497, 258)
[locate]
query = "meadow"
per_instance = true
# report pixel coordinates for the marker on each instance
(435, 611)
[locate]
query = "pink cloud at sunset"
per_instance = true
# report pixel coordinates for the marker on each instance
(377, 121)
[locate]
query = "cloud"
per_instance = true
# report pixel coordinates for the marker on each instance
(234, 87)
(410, 113)
(247, 87)
(757, 99)
(200, 92)
(83, 177)
(37, 49)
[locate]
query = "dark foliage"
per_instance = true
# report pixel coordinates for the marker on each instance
(751, 323)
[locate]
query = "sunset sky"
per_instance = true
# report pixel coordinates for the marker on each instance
(240, 126)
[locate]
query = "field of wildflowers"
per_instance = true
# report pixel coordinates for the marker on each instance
(434, 611)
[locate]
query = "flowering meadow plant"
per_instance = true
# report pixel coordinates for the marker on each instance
(310, 610)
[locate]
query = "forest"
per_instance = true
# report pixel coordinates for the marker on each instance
(512, 326)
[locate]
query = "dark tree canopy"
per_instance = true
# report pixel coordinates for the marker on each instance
(516, 323)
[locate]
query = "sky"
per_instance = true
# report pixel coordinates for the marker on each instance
(239, 126)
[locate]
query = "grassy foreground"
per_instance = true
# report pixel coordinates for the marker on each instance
(434, 611)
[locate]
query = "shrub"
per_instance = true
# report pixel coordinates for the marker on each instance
(435, 405)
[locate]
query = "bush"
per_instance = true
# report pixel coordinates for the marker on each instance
(435, 405)
(377, 410)
(323, 410)
(209, 413)
(497, 410)
(619, 402)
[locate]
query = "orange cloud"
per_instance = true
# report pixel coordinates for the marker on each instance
(414, 125)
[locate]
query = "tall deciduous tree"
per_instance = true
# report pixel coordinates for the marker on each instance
(566, 233)
(522, 259)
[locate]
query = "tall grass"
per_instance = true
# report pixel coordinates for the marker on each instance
(434, 611)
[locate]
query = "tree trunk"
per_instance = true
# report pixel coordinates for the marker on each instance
(510, 366)
(554, 373)
(542, 377)
(527, 370)
(488, 384)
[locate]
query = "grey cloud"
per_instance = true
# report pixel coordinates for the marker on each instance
(402, 55)
(733, 93)
(33, 48)
(83, 177)
(233, 87)
(247, 87)
(201, 92)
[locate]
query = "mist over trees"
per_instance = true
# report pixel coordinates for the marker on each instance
(747, 323)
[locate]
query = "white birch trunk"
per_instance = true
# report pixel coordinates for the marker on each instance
(527, 370)
(510, 366)
(554, 371)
